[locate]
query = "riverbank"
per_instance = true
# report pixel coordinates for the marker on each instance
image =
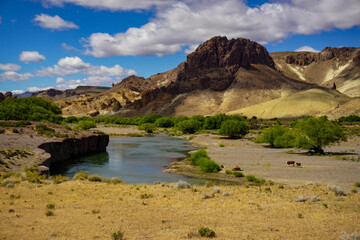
(341, 166)
(28, 144)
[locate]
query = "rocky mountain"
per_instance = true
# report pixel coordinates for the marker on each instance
(339, 66)
(223, 76)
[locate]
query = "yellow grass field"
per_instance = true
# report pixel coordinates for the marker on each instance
(87, 210)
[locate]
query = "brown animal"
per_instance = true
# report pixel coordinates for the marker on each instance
(237, 169)
(298, 164)
(222, 166)
(290, 163)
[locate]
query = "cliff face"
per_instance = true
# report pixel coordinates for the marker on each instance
(69, 148)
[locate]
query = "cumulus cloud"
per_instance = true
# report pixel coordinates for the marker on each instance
(31, 56)
(111, 5)
(186, 23)
(10, 67)
(89, 81)
(37, 89)
(53, 22)
(306, 49)
(17, 91)
(14, 76)
(73, 65)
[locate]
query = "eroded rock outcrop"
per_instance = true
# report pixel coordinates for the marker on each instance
(70, 148)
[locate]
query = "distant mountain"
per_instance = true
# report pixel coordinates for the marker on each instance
(226, 76)
(25, 94)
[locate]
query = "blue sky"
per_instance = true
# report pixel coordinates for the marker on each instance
(66, 43)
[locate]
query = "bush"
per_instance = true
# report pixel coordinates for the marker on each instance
(238, 174)
(44, 130)
(118, 235)
(50, 206)
(49, 213)
(59, 179)
(80, 175)
(228, 171)
(145, 196)
(234, 128)
(29, 108)
(270, 135)
(113, 180)
(188, 126)
(85, 125)
(252, 178)
(357, 184)
(201, 159)
(206, 232)
(350, 118)
(165, 122)
(147, 127)
(71, 119)
(95, 178)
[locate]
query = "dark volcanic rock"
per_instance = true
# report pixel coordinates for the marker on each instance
(213, 64)
(219, 52)
(329, 53)
(302, 58)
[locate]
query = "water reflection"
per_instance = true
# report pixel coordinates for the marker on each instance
(134, 159)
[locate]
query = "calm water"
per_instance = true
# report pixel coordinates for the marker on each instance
(134, 160)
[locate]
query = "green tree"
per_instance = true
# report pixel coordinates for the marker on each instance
(316, 133)
(165, 122)
(147, 127)
(188, 126)
(234, 128)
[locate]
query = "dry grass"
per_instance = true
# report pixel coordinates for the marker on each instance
(173, 214)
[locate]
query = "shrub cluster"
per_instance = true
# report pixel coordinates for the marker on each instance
(147, 127)
(31, 109)
(85, 125)
(309, 133)
(201, 159)
(252, 178)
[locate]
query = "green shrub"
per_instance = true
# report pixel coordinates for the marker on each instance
(271, 134)
(188, 126)
(33, 176)
(252, 178)
(350, 118)
(50, 206)
(85, 125)
(44, 130)
(95, 178)
(234, 128)
(227, 171)
(49, 213)
(165, 122)
(201, 159)
(113, 180)
(118, 235)
(206, 232)
(22, 123)
(357, 184)
(147, 127)
(238, 174)
(82, 175)
(29, 108)
(60, 179)
(71, 119)
(145, 196)
(214, 122)
(221, 145)
(199, 118)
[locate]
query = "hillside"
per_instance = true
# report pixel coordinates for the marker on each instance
(229, 76)
(332, 65)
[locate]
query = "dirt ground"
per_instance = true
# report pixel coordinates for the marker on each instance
(343, 167)
(88, 210)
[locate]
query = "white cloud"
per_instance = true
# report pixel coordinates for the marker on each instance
(306, 49)
(73, 65)
(186, 23)
(89, 81)
(17, 91)
(53, 22)
(60, 80)
(37, 89)
(10, 67)
(111, 5)
(31, 56)
(69, 47)
(14, 76)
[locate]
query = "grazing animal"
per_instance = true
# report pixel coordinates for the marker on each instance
(237, 169)
(290, 163)
(222, 166)
(298, 164)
